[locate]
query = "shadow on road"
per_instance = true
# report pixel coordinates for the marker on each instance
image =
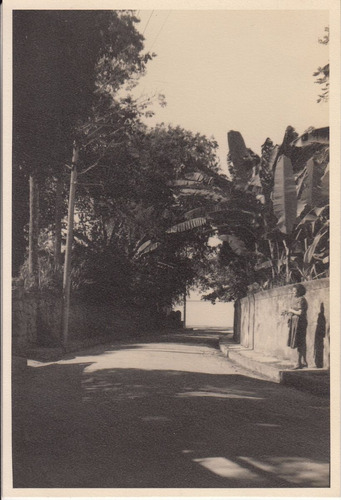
(79, 426)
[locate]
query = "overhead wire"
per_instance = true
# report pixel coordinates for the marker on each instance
(148, 22)
(163, 24)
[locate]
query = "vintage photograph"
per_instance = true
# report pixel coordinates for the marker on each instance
(170, 249)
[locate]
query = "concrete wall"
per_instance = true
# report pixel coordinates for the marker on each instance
(36, 320)
(237, 321)
(262, 328)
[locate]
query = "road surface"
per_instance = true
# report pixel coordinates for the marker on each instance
(164, 413)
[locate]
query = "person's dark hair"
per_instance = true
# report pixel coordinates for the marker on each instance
(300, 290)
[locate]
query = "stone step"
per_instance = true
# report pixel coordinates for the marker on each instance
(313, 380)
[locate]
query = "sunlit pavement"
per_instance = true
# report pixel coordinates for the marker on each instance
(168, 413)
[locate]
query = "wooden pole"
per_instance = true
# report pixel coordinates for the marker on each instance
(185, 306)
(33, 230)
(69, 239)
(185, 296)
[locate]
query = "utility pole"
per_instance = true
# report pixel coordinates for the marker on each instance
(33, 229)
(185, 305)
(185, 295)
(69, 239)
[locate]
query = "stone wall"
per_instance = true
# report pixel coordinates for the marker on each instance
(24, 315)
(36, 320)
(261, 327)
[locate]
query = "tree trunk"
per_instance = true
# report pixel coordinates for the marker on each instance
(33, 266)
(69, 240)
(58, 222)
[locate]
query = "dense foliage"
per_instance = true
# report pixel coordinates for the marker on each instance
(149, 199)
(77, 69)
(67, 69)
(272, 216)
(127, 202)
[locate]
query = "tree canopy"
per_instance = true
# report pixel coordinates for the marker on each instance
(67, 68)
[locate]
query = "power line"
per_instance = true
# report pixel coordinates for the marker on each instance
(147, 22)
(152, 45)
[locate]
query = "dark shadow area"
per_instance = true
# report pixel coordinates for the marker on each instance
(314, 381)
(42, 354)
(77, 427)
(200, 337)
(320, 333)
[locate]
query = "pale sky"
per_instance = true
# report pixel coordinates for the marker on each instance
(236, 70)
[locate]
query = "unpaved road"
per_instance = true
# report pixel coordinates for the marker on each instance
(164, 413)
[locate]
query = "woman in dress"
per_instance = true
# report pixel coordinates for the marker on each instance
(297, 323)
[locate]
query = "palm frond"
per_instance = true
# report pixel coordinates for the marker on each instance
(187, 225)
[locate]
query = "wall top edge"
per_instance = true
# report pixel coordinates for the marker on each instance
(284, 290)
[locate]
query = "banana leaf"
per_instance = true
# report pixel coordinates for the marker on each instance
(325, 183)
(187, 225)
(240, 156)
(272, 158)
(299, 179)
(309, 254)
(185, 183)
(147, 247)
(255, 185)
(306, 196)
(198, 177)
(308, 218)
(213, 212)
(284, 195)
(319, 210)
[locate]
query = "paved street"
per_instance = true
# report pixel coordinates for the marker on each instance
(164, 413)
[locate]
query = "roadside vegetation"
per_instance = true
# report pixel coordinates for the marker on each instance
(148, 200)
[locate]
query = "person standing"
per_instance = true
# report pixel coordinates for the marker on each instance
(298, 323)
